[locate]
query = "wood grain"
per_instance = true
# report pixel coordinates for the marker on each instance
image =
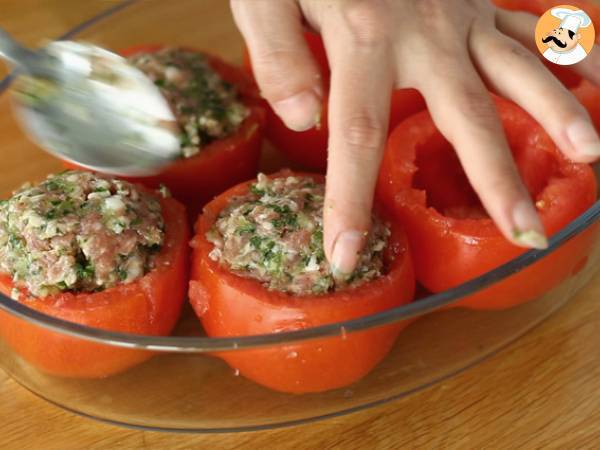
(23, 18)
(544, 391)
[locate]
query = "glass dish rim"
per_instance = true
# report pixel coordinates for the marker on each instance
(181, 344)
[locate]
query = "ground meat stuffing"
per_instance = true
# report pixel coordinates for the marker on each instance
(78, 231)
(206, 107)
(275, 234)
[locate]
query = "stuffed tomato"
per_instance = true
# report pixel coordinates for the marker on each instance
(451, 236)
(586, 92)
(220, 118)
(96, 251)
(258, 267)
(308, 149)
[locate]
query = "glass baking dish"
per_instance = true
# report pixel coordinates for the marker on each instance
(181, 384)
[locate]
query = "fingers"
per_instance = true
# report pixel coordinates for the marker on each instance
(283, 66)
(521, 27)
(515, 73)
(361, 84)
(463, 111)
(589, 68)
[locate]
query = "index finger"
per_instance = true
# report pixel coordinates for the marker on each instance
(361, 85)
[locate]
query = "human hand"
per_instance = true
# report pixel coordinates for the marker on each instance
(448, 50)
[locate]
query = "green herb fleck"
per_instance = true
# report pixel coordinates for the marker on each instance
(256, 190)
(85, 272)
(256, 241)
(246, 228)
(184, 140)
(286, 220)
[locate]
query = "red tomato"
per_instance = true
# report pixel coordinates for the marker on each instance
(308, 149)
(230, 305)
(221, 164)
(587, 93)
(452, 238)
(149, 306)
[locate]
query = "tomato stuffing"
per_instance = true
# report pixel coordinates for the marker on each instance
(229, 304)
(221, 119)
(150, 304)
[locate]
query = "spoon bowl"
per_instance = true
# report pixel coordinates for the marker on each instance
(89, 106)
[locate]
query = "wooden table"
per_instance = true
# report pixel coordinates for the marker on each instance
(527, 396)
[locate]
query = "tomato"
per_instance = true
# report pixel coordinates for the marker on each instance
(308, 149)
(452, 238)
(230, 305)
(587, 93)
(221, 164)
(150, 305)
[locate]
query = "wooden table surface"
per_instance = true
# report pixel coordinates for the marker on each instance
(526, 396)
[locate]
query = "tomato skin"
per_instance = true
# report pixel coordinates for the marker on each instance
(448, 251)
(221, 164)
(229, 305)
(150, 305)
(308, 149)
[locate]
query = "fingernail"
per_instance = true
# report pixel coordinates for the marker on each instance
(528, 230)
(531, 239)
(584, 138)
(299, 112)
(346, 252)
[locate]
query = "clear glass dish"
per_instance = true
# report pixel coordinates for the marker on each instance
(182, 386)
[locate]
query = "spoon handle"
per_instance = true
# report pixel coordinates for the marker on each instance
(16, 54)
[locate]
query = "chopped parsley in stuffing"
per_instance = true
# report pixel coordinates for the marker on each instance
(206, 107)
(274, 234)
(78, 231)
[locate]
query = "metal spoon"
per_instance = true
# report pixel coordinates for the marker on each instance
(89, 106)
